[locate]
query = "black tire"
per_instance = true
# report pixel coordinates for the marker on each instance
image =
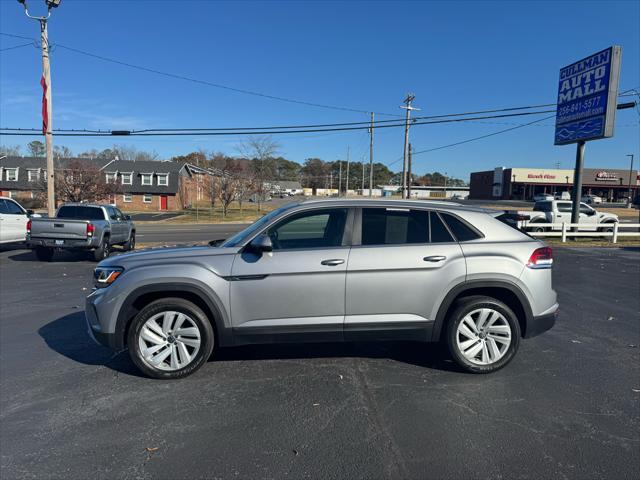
(207, 337)
(102, 251)
(131, 243)
(607, 228)
(44, 254)
(467, 305)
(534, 228)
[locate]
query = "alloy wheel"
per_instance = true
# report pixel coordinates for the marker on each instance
(169, 340)
(483, 336)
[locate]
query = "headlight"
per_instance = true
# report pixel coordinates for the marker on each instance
(105, 276)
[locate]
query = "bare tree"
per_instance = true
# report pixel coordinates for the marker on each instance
(80, 181)
(227, 183)
(6, 150)
(261, 150)
(131, 153)
(60, 151)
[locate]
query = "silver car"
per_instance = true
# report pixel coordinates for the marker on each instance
(332, 270)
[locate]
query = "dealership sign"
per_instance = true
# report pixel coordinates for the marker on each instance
(587, 92)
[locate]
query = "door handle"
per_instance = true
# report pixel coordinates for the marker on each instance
(435, 258)
(332, 262)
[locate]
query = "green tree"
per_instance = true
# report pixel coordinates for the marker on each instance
(36, 148)
(314, 174)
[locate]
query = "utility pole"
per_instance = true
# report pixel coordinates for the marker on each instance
(630, 175)
(445, 184)
(409, 173)
(363, 178)
(346, 190)
(371, 157)
(340, 178)
(47, 116)
(408, 108)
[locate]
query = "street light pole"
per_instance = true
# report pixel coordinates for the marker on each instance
(630, 175)
(47, 116)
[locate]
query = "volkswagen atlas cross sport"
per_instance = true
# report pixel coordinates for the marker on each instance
(331, 270)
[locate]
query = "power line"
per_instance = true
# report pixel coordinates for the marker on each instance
(475, 138)
(17, 46)
(133, 133)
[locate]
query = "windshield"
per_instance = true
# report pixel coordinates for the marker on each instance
(243, 235)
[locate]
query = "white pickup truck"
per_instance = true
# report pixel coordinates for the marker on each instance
(559, 211)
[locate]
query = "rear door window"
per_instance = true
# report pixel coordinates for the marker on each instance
(388, 226)
(564, 207)
(439, 232)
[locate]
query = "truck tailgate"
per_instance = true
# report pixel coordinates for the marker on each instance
(59, 228)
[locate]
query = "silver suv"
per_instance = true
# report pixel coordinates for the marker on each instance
(331, 270)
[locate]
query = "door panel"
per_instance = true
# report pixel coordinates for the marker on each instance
(13, 222)
(299, 286)
(397, 275)
(397, 284)
(289, 292)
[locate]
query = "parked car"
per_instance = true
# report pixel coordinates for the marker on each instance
(331, 270)
(81, 226)
(542, 197)
(13, 220)
(559, 211)
(592, 199)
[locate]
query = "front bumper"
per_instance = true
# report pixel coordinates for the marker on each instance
(95, 328)
(541, 323)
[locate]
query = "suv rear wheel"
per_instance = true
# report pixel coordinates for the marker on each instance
(170, 338)
(483, 334)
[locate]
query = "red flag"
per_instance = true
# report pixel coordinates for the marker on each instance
(45, 112)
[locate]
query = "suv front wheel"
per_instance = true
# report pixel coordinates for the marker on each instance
(483, 334)
(170, 338)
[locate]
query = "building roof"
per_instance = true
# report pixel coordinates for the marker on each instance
(173, 169)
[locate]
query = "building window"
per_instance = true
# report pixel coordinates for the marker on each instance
(163, 179)
(110, 177)
(127, 198)
(33, 175)
(146, 198)
(11, 174)
(147, 179)
(127, 178)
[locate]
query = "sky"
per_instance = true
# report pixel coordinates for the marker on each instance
(454, 56)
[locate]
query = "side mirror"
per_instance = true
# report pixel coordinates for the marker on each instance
(261, 243)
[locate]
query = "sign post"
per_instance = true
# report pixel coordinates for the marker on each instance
(587, 95)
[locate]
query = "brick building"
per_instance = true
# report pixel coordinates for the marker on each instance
(142, 185)
(612, 184)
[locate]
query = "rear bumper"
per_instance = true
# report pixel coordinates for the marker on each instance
(541, 323)
(66, 243)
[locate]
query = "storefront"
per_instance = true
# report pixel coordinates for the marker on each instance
(611, 184)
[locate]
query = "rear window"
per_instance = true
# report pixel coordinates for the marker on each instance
(386, 226)
(461, 230)
(439, 232)
(542, 207)
(80, 213)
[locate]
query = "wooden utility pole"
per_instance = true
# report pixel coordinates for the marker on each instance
(408, 108)
(363, 178)
(371, 157)
(346, 190)
(340, 178)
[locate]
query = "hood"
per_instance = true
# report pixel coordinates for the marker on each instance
(149, 255)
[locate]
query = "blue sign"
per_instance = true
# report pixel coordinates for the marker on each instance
(587, 93)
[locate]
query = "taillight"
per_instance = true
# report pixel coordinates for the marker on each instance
(541, 258)
(90, 229)
(29, 227)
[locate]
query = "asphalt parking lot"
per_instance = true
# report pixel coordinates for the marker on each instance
(568, 406)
